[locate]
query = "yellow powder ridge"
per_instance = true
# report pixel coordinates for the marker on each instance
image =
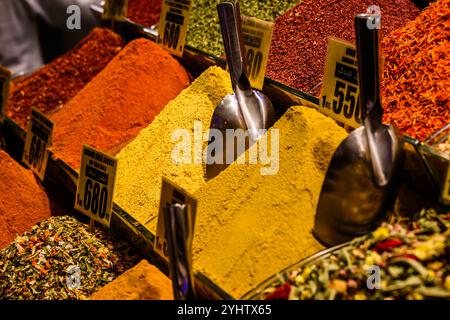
(250, 226)
(142, 282)
(144, 162)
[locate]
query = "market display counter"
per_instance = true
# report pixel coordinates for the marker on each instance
(227, 265)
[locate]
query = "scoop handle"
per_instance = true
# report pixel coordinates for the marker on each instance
(230, 24)
(368, 50)
(177, 225)
(378, 139)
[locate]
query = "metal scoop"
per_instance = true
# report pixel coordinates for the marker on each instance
(179, 240)
(246, 109)
(362, 181)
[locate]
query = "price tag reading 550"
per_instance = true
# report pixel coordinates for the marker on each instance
(96, 185)
(340, 90)
(173, 25)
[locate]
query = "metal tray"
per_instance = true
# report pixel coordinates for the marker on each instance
(258, 292)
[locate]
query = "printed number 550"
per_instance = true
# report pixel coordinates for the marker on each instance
(346, 93)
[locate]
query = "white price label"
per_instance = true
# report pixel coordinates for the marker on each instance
(257, 36)
(5, 78)
(171, 194)
(173, 25)
(39, 139)
(96, 185)
(340, 90)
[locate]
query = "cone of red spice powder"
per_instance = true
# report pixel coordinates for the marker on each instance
(120, 101)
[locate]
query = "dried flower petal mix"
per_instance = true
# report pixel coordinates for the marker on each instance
(36, 265)
(396, 261)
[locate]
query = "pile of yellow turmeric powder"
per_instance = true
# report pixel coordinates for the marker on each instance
(148, 158)
(250, 226)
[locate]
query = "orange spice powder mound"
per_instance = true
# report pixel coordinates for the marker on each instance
(142, 282)
(120, 101)
(23, 203)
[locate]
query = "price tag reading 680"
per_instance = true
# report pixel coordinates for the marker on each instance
(340, 90)
(173, 25)
(96, 185)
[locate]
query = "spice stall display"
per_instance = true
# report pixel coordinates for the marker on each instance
(60, 259)
(149, 157)
(300, 36)
(404, 260)
(249, 225)
(142, 282)
(204, 29)
(121, 100)
(54, 84)
(144, 12)
(23, 202)
(415, 92)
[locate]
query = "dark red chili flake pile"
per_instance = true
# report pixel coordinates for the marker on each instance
(56, 83)
(416, 90)
(300, 36)
(144, 12)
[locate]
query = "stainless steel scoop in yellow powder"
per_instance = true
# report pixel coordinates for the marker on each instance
(246, 109)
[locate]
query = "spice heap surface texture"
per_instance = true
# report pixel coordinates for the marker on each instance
(56, 83)
(148, 158)
(123, 98)
(144, 12)
(416, 85)
(248, 225)
(23, 202)
(59, 259)
(299, 42)
(142, 282)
